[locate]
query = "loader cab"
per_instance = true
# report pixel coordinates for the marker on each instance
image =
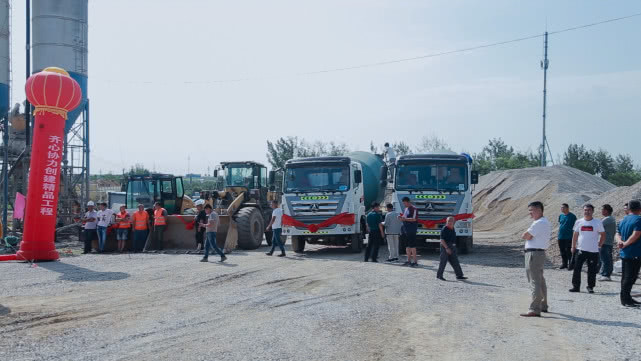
(148, 189)
(250, 175)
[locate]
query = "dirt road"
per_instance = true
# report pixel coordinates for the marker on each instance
(323, 305)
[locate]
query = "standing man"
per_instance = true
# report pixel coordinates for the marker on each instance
(566, 230)
(626, 209)
(276, 226)
(124, 223)
(201, 217)
(392, 231)
(630, 246)
(537, 240)
(448, 251)
(390, 154)
(610, 227)
(90, 220)
(104, 220)
(375, 229)
(160, 225)
(408, 231)
(212, 228)
(589, 236)
(141, 228)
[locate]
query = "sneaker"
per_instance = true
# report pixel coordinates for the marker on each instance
(461, 278)
(563, 266)
(223, 258)
(408, 263)
(575, 290)
(414, 265)
(605, 278)
(281, 255)
(631, 305)
(389, 260)
(440, 278)
(590, 290)
(204, 259)
(269, 253)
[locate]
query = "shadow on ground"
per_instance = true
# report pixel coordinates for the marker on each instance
(73, 273)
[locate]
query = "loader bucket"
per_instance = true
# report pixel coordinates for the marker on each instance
(227, 235)
(178, 235)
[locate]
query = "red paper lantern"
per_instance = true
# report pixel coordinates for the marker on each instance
(53, 93)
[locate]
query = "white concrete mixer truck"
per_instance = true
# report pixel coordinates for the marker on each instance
(439, 185)
(326, 199)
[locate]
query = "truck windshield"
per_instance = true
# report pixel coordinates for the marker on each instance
(432, 177)
(239, 176)
(317, 179)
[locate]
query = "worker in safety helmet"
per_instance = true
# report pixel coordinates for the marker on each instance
(201, 218)
(90, 224)
(160, 225)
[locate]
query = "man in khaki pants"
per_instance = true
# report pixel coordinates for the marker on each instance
(537, 240)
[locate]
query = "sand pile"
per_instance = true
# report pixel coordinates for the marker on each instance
(501, 198)
(617, 197)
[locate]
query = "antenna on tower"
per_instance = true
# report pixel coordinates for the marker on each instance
(545, 146)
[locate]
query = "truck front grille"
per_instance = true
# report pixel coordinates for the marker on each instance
(318, 208)
(430, 208)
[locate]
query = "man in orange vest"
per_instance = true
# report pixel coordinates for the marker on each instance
(160, 225)
(141, 228)
(124, 223)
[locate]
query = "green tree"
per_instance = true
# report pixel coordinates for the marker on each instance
(497, 155)
(138, 169)
(579, 157)
(401, 148)
(432, 143)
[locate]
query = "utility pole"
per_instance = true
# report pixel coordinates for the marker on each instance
(544, 65)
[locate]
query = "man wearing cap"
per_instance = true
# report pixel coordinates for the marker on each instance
(141, 228)
(89, 221)
(201, 218)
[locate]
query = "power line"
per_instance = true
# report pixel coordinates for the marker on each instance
(414, 58)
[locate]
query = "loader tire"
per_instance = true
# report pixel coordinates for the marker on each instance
(250, 228)
(298, 244)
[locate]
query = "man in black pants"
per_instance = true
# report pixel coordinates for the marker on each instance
(630, 244)
(375, 229)
(566, 227)
(448, 251)
(589, 236)
(201, 218)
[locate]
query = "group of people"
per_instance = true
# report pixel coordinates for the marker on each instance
(586, 240)
(395, 227)
(97, 224)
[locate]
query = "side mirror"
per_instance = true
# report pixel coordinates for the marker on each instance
(215, 173)
(475, 177)
(272, 177)
(358, 177)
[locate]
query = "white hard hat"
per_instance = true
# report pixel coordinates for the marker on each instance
(90, 203)
(200, 202)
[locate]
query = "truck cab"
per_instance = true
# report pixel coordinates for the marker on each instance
(317, 189)
(439, 185)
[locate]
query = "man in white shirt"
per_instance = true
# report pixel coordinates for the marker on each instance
(537, 240)
(277, 229)
(104, 220)
(90, 220)
(588, 238)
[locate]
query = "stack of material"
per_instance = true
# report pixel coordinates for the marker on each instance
(617, 197)
(501, 198)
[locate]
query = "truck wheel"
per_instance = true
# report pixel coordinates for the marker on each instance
(356, 243)
(298, 244)
(268, 237)
(464, 244)
(250, 228)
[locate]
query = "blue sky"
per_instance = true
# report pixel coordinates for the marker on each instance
(144, 57)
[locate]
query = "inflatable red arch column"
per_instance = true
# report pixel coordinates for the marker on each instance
(53, 93)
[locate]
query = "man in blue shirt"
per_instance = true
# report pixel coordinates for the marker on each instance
(375, 228)
(630, 245)
(566, 231)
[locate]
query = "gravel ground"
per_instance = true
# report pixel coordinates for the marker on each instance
(323, 305)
